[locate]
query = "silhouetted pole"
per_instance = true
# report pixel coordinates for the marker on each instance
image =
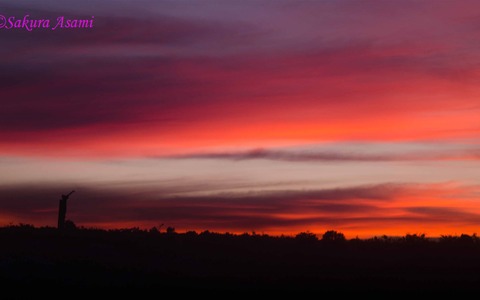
(62, 210)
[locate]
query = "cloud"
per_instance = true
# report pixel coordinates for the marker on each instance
(322, 155)
(109, 76)
(444, 214)
(195, 72)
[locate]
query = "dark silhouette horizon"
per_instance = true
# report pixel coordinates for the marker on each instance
(208, 261)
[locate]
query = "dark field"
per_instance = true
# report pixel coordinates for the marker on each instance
(132, 258)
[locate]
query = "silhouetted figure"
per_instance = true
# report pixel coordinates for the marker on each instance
(62, 210)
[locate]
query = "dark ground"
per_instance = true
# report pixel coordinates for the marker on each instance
(208, 262)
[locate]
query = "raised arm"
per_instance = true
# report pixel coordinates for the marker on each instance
(65, 197)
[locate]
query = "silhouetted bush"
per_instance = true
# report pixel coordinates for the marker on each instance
(70, 226)
(154, 231)
(415, 239)
(465, 238)
(191, 234)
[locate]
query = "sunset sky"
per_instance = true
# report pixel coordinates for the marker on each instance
(239, 116)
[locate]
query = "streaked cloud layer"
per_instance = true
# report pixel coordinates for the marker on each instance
(354, 210)
(229, 115)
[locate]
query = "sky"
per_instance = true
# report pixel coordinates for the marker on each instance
(236, 116)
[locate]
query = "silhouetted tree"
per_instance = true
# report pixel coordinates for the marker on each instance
(170, 230)
(306, 236)
(205, 233)
(333, 236)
